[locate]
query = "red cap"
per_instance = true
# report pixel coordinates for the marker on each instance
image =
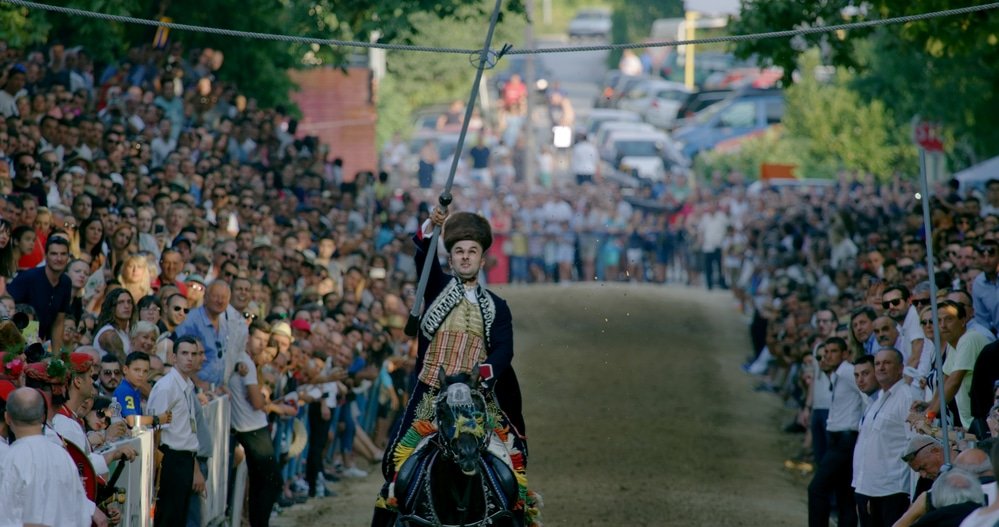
(301, 325)
(5, 388)
(80, 362)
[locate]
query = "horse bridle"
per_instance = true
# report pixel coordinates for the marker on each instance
(450, 399)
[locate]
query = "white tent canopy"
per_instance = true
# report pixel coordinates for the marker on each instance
(977, 175)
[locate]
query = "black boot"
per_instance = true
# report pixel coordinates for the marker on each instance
(383, 518)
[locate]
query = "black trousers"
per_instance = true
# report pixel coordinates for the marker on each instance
(174, 496)
(884, 510)
(834, 476)
(319, 430)
(712, 264)
(263, 474)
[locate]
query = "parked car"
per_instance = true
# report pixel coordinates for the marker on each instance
(657, 101)
(624, 84)
(607, 128)
(697, 102)
(742, 113)
(647, 155)
(591, 23)
(597, 116)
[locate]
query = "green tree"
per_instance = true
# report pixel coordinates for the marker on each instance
(827, 127)
(942, 69)
(420, 79)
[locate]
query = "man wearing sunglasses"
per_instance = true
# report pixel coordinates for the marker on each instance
(985, 289)
(109, 376)
(896, 302)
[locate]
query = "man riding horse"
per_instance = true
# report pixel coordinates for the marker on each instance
(464, 327)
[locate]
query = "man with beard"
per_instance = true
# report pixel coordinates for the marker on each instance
(464, 327)
(110, 375)
(896, 301)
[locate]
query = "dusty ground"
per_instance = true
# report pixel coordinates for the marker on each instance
(637, 415)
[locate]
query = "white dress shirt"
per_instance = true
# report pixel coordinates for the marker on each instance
(71, 431)
(878, 469)
(174, 392)
(41, 485)
(847, 401)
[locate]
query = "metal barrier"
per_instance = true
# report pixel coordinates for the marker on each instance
(217, 413)
(137, 477)
(136, 481)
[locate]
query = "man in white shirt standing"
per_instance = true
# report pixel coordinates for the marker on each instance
(585, 162)
(36, 469)
(180, 475)
(249, 427)
(712, 228)
(880, 477)
(896, 300)
(835, 472)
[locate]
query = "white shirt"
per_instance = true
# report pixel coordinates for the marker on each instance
(584, 158)
(878, 469)
(40, 484)
(712, 228)
(8, 104)
(847, 401)
(910, 332)
(981, 518)
(821, 391)
(245, 418)
(174, 392)
(71, 431)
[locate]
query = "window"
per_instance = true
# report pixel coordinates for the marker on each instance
(774, 111)
(739, 115)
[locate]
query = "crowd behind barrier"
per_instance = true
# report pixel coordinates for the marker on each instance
(165, 184)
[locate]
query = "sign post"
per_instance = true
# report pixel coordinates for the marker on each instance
(927, 136)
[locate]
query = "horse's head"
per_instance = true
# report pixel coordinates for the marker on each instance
(462, 422)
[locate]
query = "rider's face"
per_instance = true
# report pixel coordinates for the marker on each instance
(466, 259)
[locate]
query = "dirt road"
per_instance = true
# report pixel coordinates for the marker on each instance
(637, 415)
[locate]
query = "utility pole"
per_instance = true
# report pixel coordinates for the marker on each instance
(688, 56)
(530, 141)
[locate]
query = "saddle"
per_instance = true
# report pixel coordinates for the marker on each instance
(498, 473)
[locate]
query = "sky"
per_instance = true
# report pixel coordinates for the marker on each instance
(713, 7)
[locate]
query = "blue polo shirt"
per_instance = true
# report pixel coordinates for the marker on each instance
(129, 398)
(32, 287)
(198, 326)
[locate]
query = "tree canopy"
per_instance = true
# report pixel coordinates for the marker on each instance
(256, 66)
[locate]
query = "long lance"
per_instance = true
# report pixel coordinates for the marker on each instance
(413, 324)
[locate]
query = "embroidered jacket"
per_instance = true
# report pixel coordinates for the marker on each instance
(444, 292)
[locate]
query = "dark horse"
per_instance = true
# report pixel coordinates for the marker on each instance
(453, 479)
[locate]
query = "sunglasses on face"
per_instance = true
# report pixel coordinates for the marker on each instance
(895, 302)
(988, 251)
(178, 309)
(927, 322)
(920, 302)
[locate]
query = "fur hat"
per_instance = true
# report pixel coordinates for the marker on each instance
(462, 226)
(11, 340)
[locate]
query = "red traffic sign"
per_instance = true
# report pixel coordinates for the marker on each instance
(928, 136)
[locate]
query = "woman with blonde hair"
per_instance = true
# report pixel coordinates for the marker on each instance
(143, 337)
(135, 276)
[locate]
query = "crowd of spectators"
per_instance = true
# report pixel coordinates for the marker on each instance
(836, 281)
(160, 222)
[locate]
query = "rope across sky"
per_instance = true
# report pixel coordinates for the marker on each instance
(466, 51)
